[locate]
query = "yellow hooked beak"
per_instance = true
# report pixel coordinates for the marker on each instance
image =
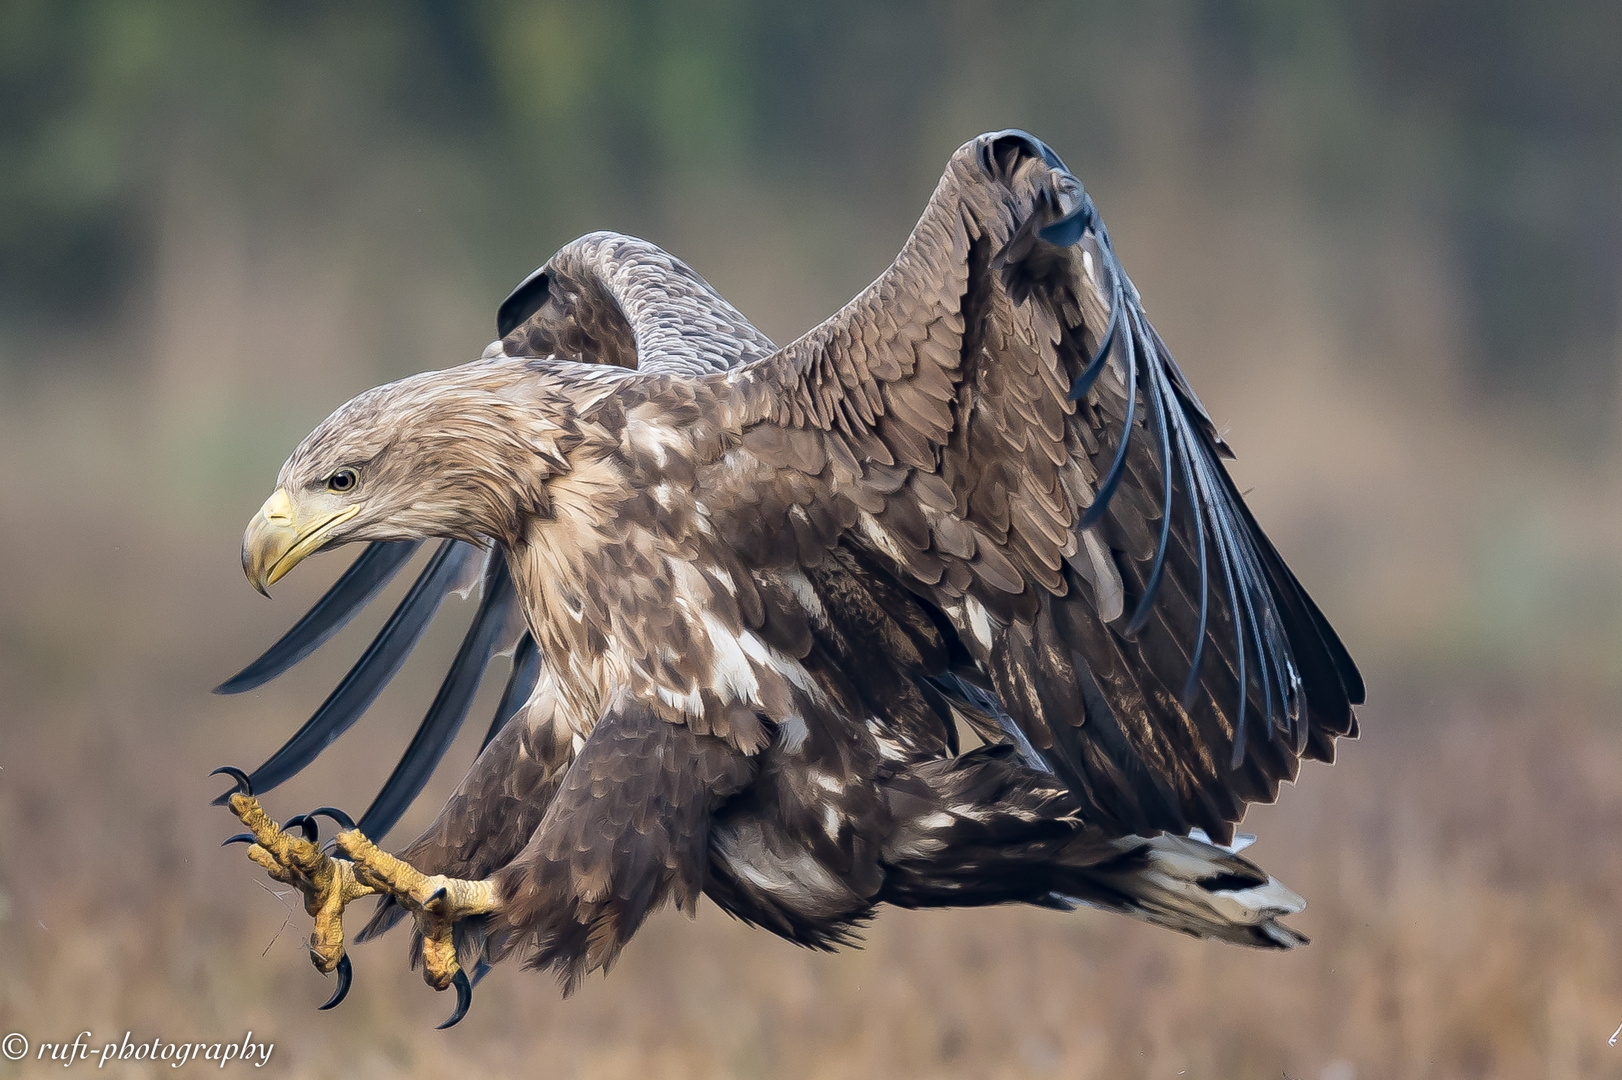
(279, 538)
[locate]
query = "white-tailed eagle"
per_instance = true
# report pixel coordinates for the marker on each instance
(753, 595)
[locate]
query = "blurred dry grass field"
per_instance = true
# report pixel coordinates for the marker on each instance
(1464, 870)
(1463, 862)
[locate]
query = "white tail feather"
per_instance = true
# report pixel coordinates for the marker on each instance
(1199, 888)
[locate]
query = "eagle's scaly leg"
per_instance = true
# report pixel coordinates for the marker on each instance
(328, 885)
(436, 902)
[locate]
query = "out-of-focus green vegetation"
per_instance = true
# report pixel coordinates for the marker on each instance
(1497, 122)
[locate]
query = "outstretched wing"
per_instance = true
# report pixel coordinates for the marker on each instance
(604, 298)
(995, 420)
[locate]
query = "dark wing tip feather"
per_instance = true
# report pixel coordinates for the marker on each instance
(1095, 366)
(1162, 423)
(353, 590)
(1117, 469)
(522, 302)
(360, 687)
(450, 706)
(526, 672)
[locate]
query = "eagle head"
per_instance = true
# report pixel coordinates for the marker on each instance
(462, 454)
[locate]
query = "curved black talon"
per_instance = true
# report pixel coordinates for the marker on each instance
(244, 785)
(346, 975)
(306, 824)
(239, 838)
(344, 820)
(464, 998)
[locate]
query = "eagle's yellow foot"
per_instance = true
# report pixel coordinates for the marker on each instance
(436, 902)
(328, 885)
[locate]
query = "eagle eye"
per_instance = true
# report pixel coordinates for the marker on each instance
(343, 480)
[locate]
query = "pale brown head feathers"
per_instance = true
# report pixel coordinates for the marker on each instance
(463, 453)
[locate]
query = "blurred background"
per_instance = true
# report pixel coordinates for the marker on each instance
(1383, 237)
